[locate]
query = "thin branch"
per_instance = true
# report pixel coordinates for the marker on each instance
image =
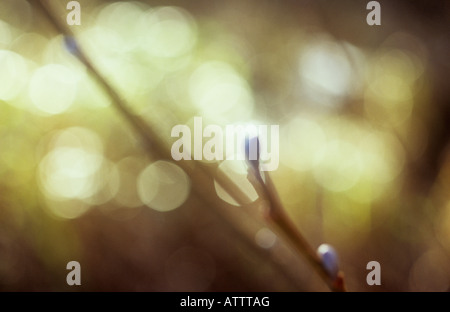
(276, 214)
(201, 174)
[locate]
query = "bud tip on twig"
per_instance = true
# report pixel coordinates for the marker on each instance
(252, 151)
(329, 259)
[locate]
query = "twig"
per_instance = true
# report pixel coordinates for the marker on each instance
(276, 214)
(200, 173)
(151, 139)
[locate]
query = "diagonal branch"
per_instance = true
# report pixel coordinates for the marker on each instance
(200, 174)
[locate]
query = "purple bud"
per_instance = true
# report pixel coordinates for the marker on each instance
(329, 258)
(71, 45)
(252, 151)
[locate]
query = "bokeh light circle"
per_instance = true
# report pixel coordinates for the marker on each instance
(163, 186)
(53, 88)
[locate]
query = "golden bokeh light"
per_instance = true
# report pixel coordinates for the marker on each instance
(68, 172)
(163, 186)
(53, 89)
(167, 32)
(326, 72)
(218, 91)
(86, 170)
(13, 76)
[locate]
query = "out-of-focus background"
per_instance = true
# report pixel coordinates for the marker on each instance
(364, 155)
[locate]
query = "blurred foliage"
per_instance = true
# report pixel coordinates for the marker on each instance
(364, 155)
